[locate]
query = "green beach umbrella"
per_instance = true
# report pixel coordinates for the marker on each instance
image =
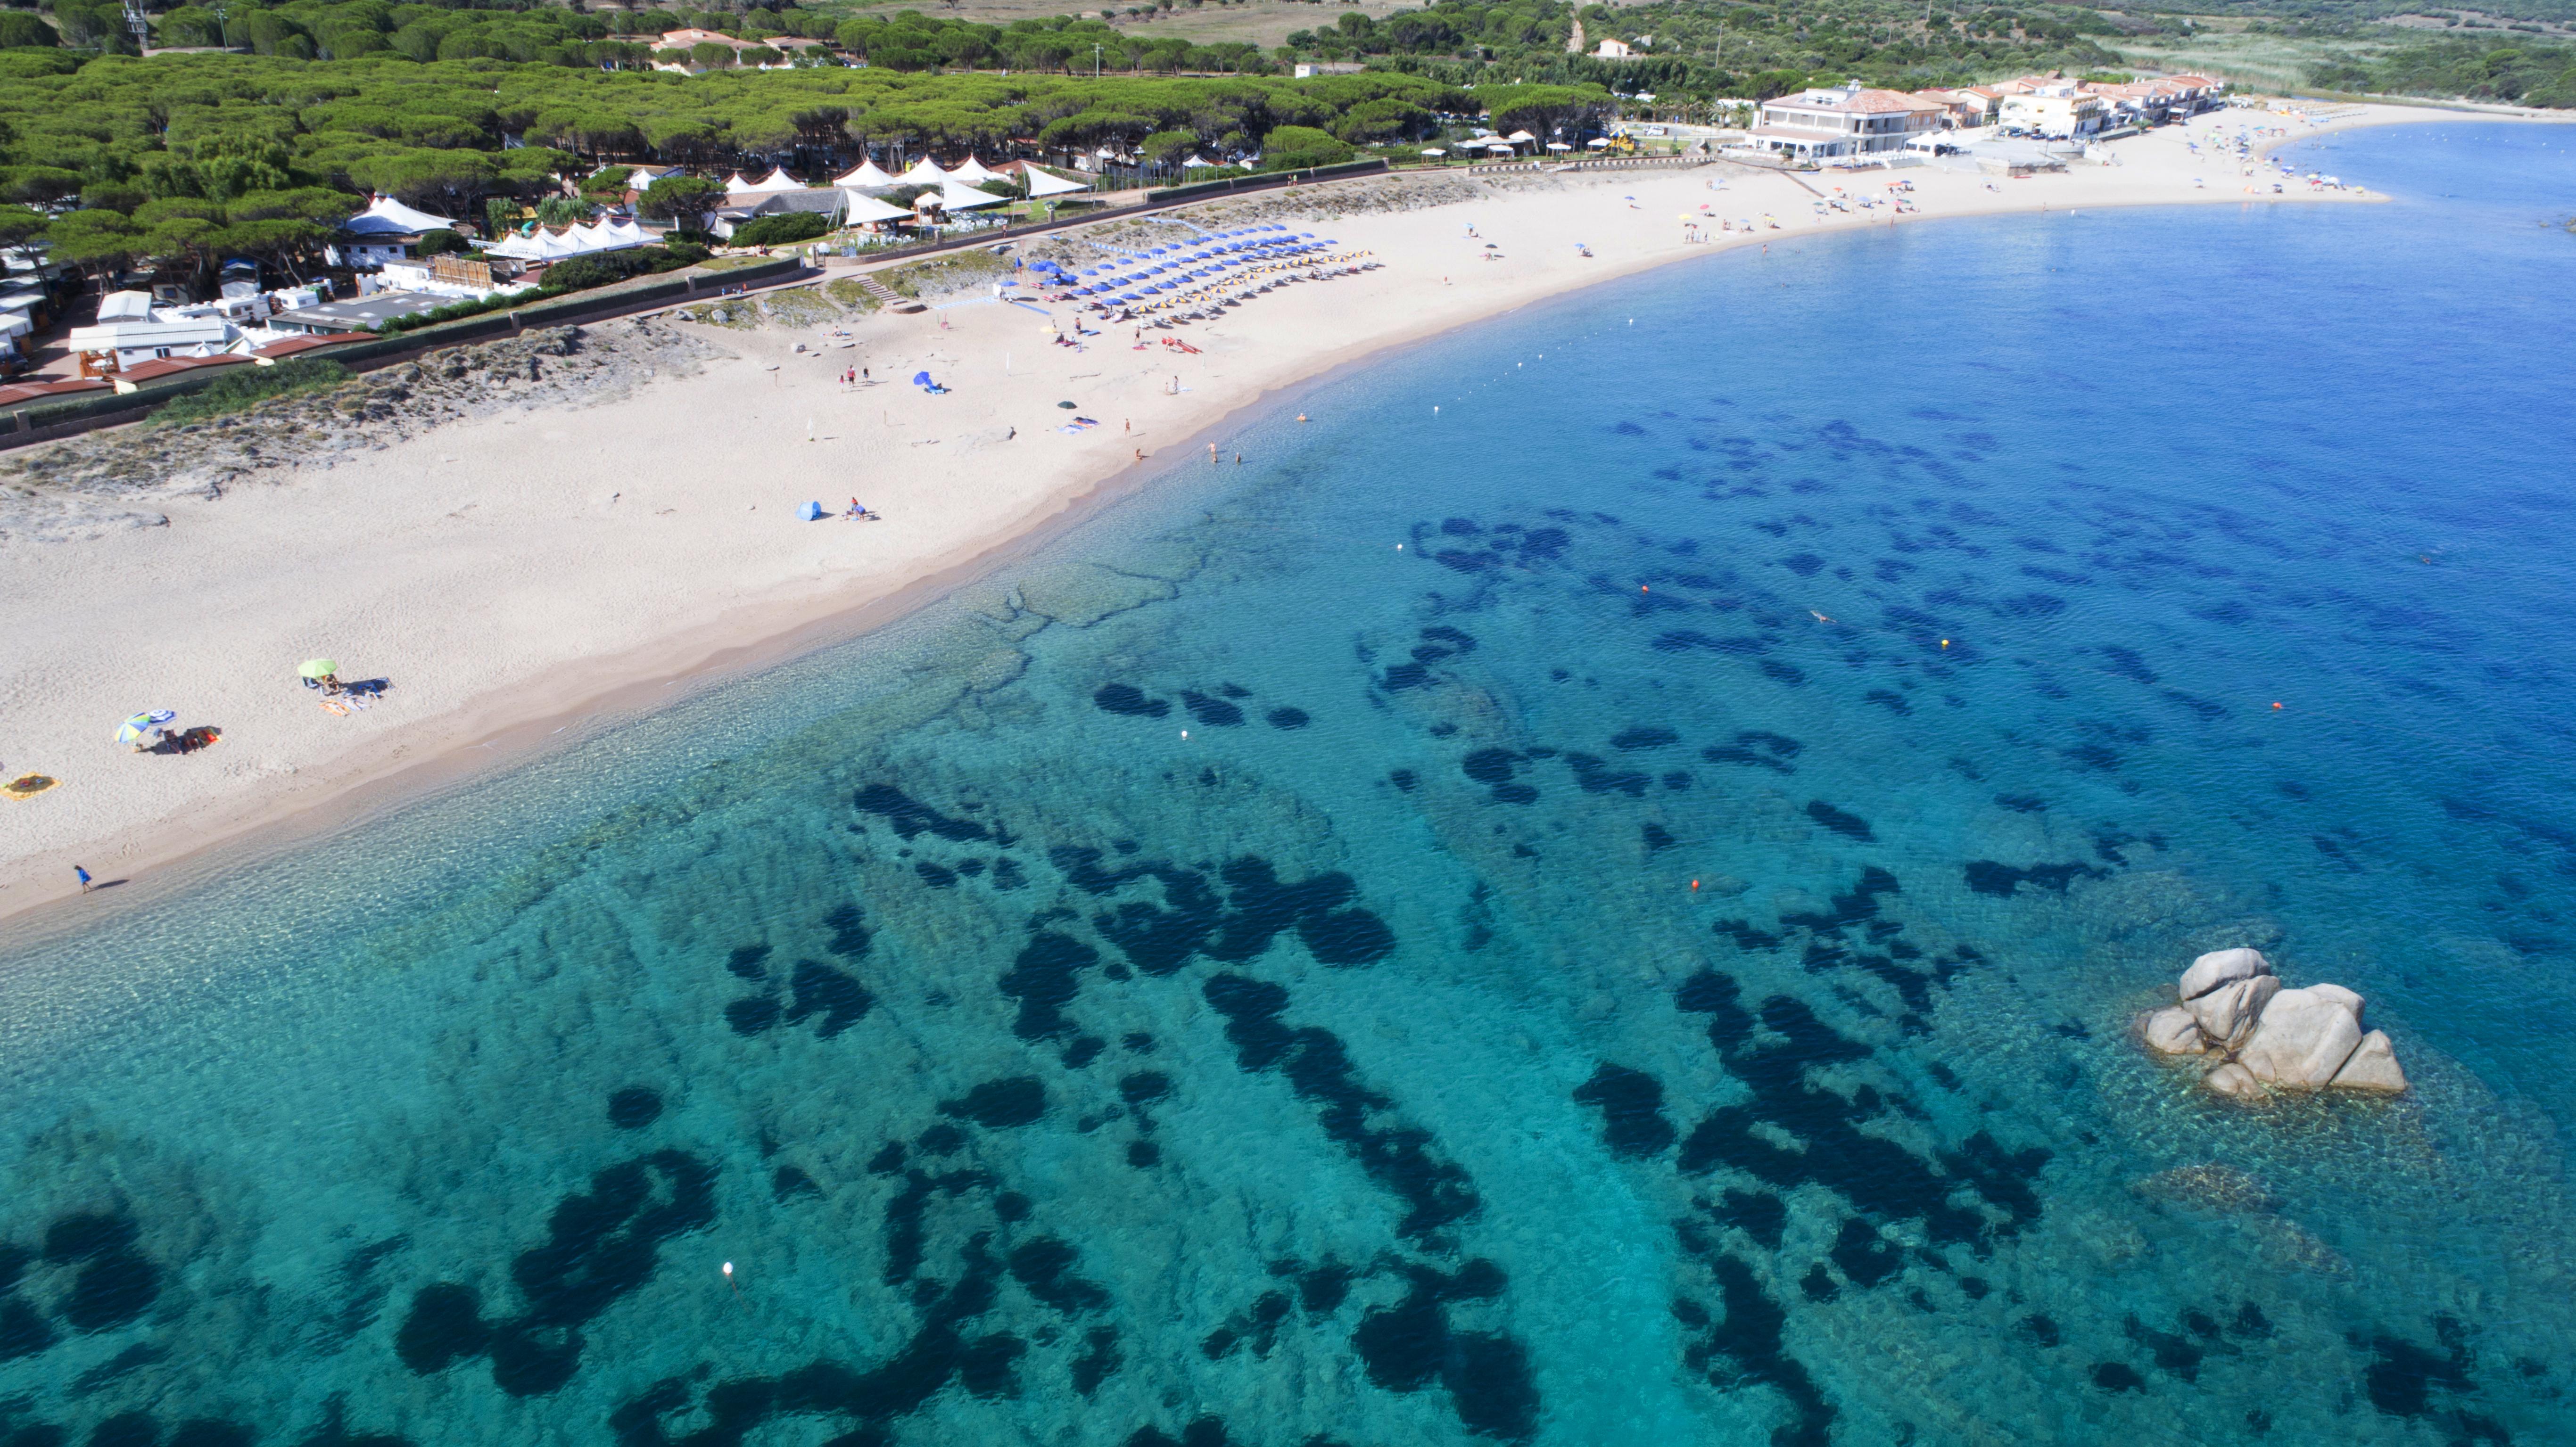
(131, 731)
(319, 667)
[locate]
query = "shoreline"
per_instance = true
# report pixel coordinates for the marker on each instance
(505, 721)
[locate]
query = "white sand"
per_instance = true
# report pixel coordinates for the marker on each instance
(523, 567)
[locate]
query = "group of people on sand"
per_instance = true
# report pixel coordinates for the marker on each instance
(177, 741)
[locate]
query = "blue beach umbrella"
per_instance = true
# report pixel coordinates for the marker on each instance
(131, 731)
(921, 379)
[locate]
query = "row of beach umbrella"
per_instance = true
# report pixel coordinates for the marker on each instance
(1192, 261)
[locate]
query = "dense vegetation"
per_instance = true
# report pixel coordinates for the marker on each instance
(248, 386)
(1700, 50)
(2534, 74)
(455, 107)
(2327, 12)
(192, 158)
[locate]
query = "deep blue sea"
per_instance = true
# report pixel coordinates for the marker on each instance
(1609, 912)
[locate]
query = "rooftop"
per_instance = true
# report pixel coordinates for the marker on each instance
(159, 367)
(1852, 99)
(358, 315)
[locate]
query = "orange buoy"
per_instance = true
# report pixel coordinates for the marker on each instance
(2276, 705)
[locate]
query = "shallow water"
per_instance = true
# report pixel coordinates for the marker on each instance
(1607, 913)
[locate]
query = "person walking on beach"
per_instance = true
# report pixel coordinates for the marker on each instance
(84, 878)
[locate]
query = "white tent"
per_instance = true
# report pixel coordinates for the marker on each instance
(868, 177)
(861, 209)
(544, 245)
(924, 172)
(973, 172)
(1522, 137)
(777, 181)
(1194, 163)
(735, 185)
(1043, 184)
(953, 197)
(389, 217)
(615, 234)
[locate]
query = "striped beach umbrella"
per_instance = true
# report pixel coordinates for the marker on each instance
(132, 730)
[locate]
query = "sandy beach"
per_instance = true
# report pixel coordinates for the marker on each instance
(516, 572)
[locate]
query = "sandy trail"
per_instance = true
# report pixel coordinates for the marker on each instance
(521, 565)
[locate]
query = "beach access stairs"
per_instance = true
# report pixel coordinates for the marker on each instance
(886, 296)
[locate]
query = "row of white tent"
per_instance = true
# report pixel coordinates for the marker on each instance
(580, 240)
(869, 176)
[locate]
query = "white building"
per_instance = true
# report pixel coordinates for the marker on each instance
(1848, 120)
(2059, 111)
(385, 231)
(130, 331)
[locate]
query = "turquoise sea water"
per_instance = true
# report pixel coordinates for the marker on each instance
(1362, 1065)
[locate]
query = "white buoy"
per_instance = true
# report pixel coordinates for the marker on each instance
(728, 1270)
(1185, 733)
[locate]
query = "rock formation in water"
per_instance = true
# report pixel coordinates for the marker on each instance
(2268, 1037)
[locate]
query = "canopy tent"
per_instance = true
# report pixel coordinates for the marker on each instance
(973, 172)
(1043, 184)
(868, 177)
(1558, 146)
(735, 185)
(861, 210)
(544, 245)
(389, 217)
(1433, 151)
(1520, 137)
(953, 197)
(776, 182)
(1195, 163)
(924, 172)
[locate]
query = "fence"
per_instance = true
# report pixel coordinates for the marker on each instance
(34, 422)
(1263, 181)
(1605, 163)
